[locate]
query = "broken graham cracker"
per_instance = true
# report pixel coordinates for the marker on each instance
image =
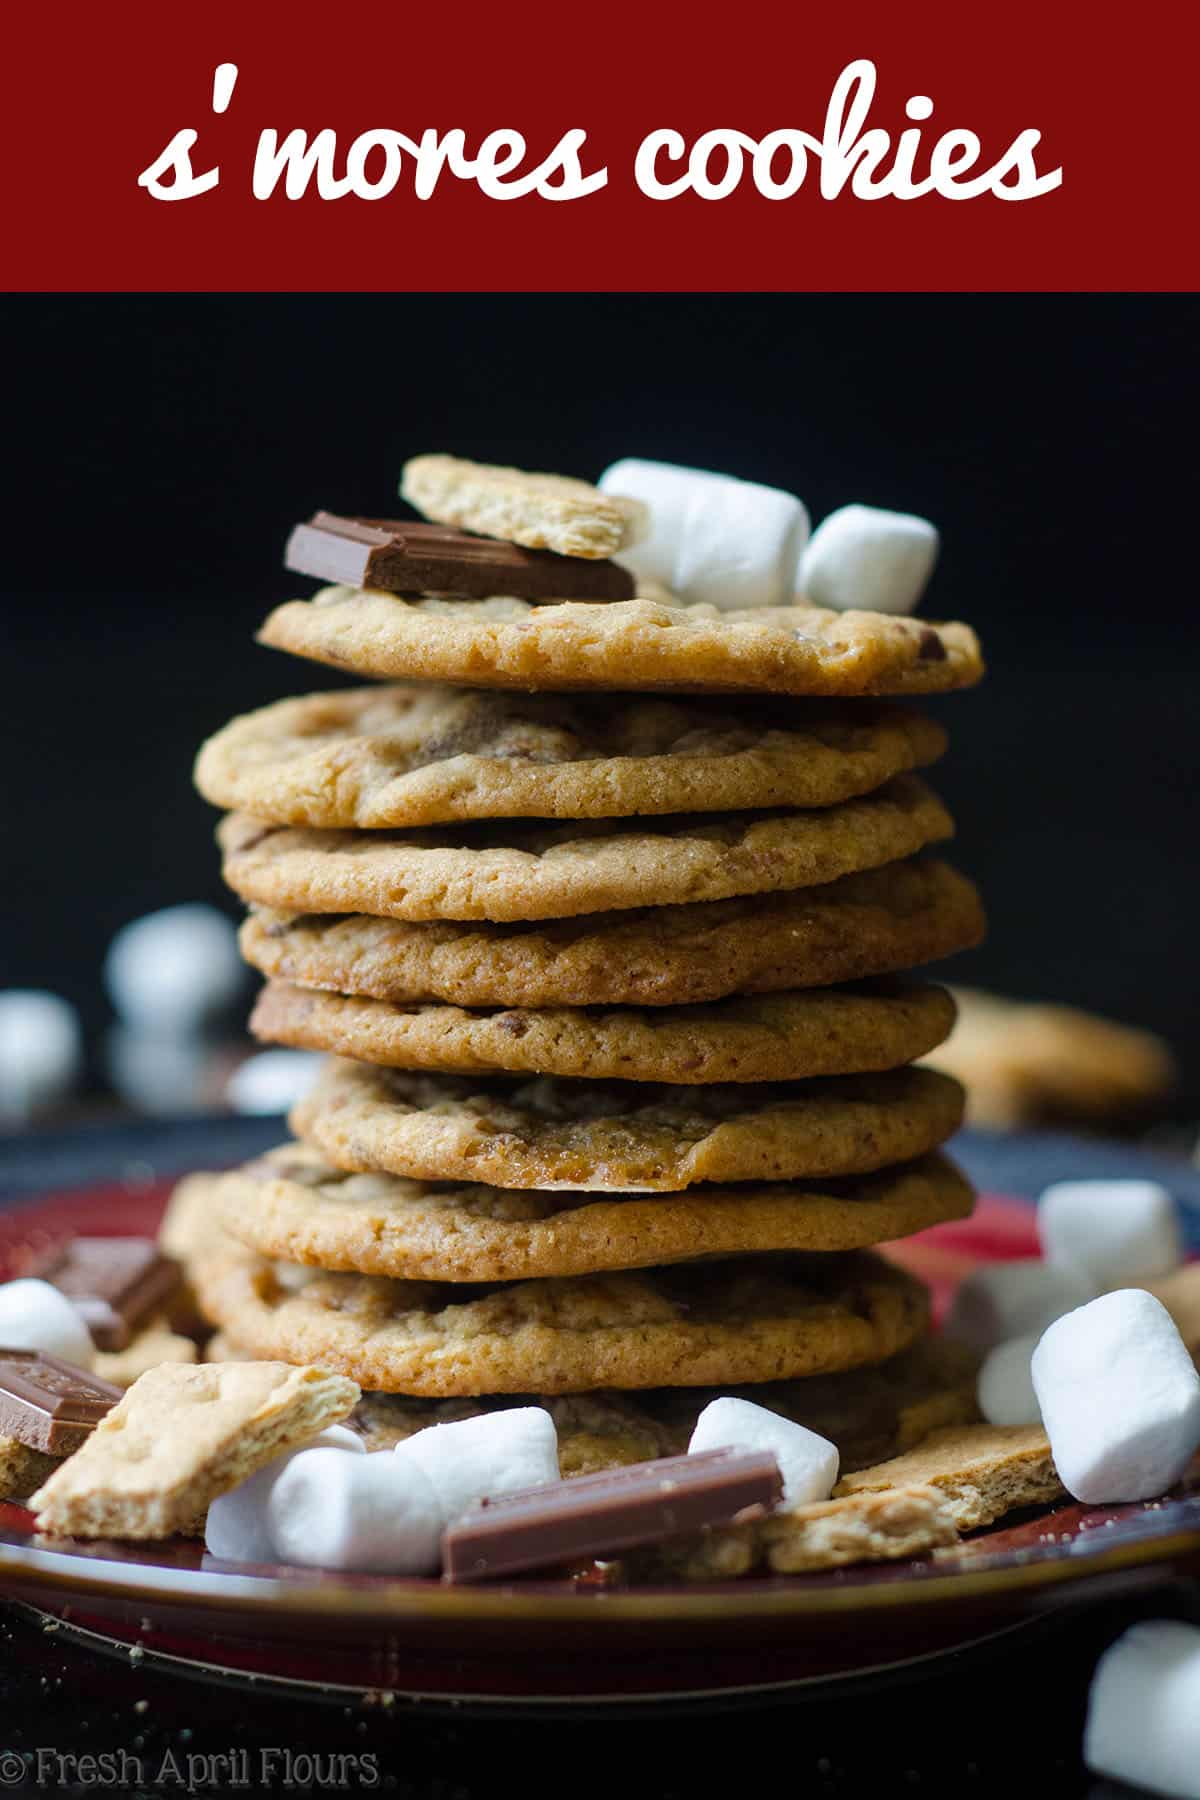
(867, 1527)
(541, 512)
(23, 1470)
(980, 1472)
(156, 1344)
(181, 1436)
(827, 1534)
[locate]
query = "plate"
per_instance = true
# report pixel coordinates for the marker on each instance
(576, 1641)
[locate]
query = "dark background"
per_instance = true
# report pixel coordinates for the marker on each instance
(160, 447)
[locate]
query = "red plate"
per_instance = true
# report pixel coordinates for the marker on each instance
(558, 1640)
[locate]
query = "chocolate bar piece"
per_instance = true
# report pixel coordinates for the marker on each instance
(115, 1284)
(594, 1515)
(50, 1405)
(405, 558)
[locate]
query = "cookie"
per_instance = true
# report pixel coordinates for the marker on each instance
(424, 755)
(745, 1320)
(513, 870)
(981, 1471)
(542, 512)
(647, 644)
(621, 1138)
(771, 1037)
(293, 1205)
(1028, 1064)
(181, 1436)
(869, 1413)
(883, 919)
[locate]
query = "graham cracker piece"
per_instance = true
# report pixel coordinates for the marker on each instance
(900, 1522)
(181, 1436)
(157, 1343)
(23, 1470)
(980, 1472)
(541, 512)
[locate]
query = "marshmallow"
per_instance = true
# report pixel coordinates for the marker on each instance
(327, 1510)
(1009, 1299)
(712, 537)
(160, 1073)
(174, 970)
(273, 1081)
(1143, 1719)
(477, 1459)
(35, 1315)
(1005, 1385)
(1120, 1398)
(236, 1527)
(1119, 1233)
(866, 558)
(41, 1053)
(807, 1462)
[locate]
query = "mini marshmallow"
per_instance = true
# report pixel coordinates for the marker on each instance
(174, 970)
(1119, 1233)
(864, 557)
(160, 1073)
(272, 1081)
(1120, 1398)
(1009, 1299)
(35, 1315)
(41, 1053)
(1005, 1385)
(477, 1459)
(807, 1462)
(327, 1510)
(712, 537)
(1143, 1719)
(236, 1527)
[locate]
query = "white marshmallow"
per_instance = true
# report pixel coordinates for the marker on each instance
(160, 1073)
(864, 557)
(35, 1315)
(174, 970)
(1119, 1233)
(236, 1527)
(712, 537)
(41, 1053)
(477, 1459)
(807, 1462)
(327, 1510)
(1009, 1299)
(1005, 1385)
(272, 1081)
(1120, 1398)
(1143, 1720)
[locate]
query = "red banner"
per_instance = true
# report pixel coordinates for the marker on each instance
(560, 146)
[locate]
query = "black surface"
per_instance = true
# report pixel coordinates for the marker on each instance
(159, 448)
(974, 1723)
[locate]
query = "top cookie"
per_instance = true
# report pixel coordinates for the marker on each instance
(542, 512)
(421, 754)
(644, 645)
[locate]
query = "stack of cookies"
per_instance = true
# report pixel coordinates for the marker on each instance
(599, 906)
